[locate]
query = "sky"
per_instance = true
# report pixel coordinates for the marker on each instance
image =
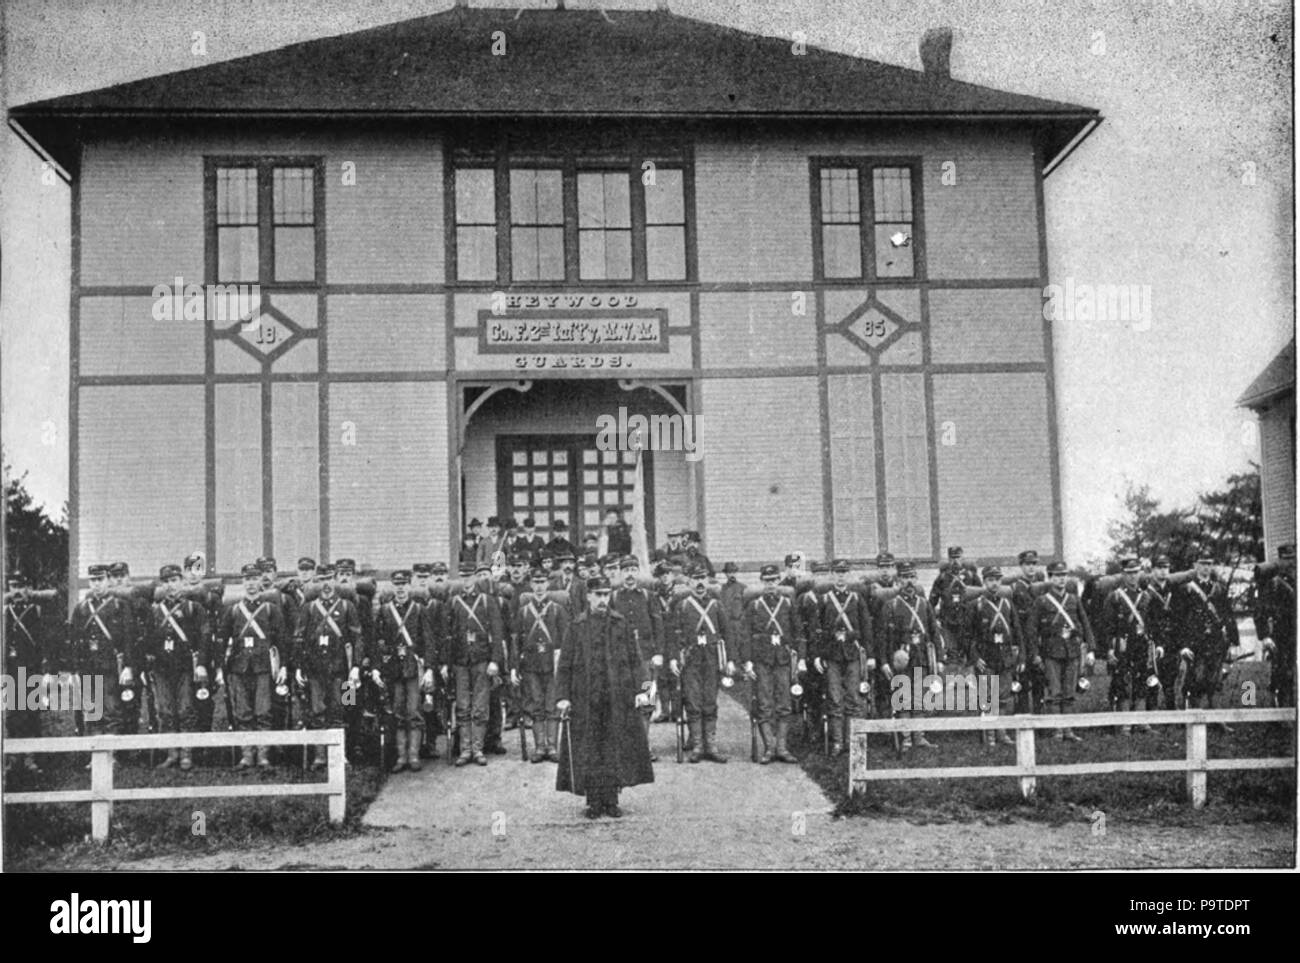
(1185, 191)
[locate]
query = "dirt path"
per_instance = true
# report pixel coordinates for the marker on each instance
(708, 816)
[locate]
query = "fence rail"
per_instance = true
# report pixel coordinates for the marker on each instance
(1196, 764)
(102, 793)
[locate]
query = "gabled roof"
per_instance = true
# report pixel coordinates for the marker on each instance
(557, 62)
(1277, 379)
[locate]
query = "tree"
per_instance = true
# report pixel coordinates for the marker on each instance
(35, 544)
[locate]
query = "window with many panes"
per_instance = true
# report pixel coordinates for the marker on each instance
(864, 219)
(570, 219)
(264, 223)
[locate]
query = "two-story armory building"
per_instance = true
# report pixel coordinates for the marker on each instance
(474, 233)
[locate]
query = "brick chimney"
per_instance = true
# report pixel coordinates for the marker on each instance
(936, 47)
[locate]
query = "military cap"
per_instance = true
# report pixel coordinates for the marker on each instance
(483, 566)
(401, 577)
(439, 568)
(730, 567)
(530, 522)
(169, 571)
(537, 573)
(884, 560)
(590, 537)
(563, 557)
(494, 522)
(769, 573)
(325, 570)
(697, 571)
(954, 551)
(194, 558)
(660, 570)
(1205, 556)
(1056, 568)
(266, 563)
(466, 568)
(692, 534)
(991, 571)
(119, 568)
(97, 571)
(422, 568)
(474, 523)
(1130, 565)
(516, 558)
(840, 565)
(16, 578)
(905, 569)
(1028, 557)
(306, 562)
(1286, 551)
(251, 570)
(346, 565)
(559, 525)
(821, 566)
(598, 583)
(1160, 561)
(629, 561)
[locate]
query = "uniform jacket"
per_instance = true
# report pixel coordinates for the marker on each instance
(247, 630)
(908, 622)
(25, 637)
(732, 595)
(100, 630)
(1156, 604)
(842, 634)
(176, 637)
(475, 632)
(699, 627)
(532, 547)
(400, 641)
(772, 629)
(992, 633)
(645, 620)
(1276, 613)
(323, 635)
(1057, 636)
(541, 626)
(1126, 629)
(948, 595)
(606, 745)
(1203, 619)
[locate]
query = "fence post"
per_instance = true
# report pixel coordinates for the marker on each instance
(101, 784)
(857, 758)
(337, 783)
(1025, 757)
(1196, 755)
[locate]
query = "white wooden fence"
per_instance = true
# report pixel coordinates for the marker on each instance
(102, 793)
(1196, 764)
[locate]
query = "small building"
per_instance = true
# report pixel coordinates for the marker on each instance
(1272, 397)
(474, 234)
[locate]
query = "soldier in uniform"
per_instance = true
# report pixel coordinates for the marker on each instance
(131, 705)
(1205, 625)
(328, 652)
(1023, 597)
(503, 705)
(177, 655)
(404, 653)
(879, 592)
(699, 627)
(1276, 624)
(433, 627)
(101, 636)
(1156, 605)
(843, 652)
(540, 629)
(663, 594)
(993, 640)
(1130, 653)
(672, 552)
(281, 696)
(645, 624)
(195, 568)
(773, 647)
(475, 648)
(948, 599)
(249, 628)
(25, 650)
(1059, 625)
(908, 638)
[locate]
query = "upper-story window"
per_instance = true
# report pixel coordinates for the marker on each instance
(569, 218)
(265, 221)
(865, 220)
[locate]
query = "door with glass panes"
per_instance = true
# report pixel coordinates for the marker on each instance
(567, 478)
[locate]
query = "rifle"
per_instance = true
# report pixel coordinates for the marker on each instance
(680, 707)
(449, 716)
(752, 678)
(298, 696)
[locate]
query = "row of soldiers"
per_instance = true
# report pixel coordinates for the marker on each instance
(320, 635)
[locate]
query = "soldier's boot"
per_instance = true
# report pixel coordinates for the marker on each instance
(319, 760)
(711, 742)
(263, 757)
(783, 754)
(169, 760)
(769, 743)
(1071, 736)
(187, 760)
(246, 758)
(29, 763)
(1004, 738)
(1124, 705)
(540, 745)
(921, 742)
(907, 742)
(413, 740)
(466, 747)
(402, 745)
(989, 739)
(552, 730)
(696, 754)
(837, 738)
